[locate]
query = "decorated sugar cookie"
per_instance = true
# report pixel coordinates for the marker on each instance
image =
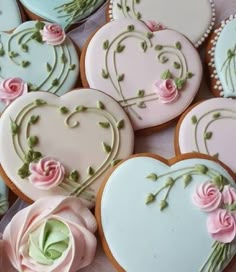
(221, 58)
(181, 15)
(10, 15)
(63, 12)
(53, 234)
(153, 212)
(4, 205)
(209, 128)
(36, 56)
(64, 145)
(153, 75)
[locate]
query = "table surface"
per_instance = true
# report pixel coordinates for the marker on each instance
(161, 142)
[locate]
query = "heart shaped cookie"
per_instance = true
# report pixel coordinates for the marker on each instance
(64, 145)
(153, 75)
(41, 55)
(9, 9)
(221, 58)
(63, 12)
(181, 15)
(209, 128)
(156, 215)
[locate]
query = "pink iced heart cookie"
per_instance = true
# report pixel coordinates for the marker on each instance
(153, 75)
(209, 128)
(151, 213)
(64, 145)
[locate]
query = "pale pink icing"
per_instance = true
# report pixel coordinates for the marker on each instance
(53, 34)
(221, 224)
(68, 210)
(154, 26)
(46, 173)
(229, 195)
(207, 197)
(11, 88)
(166, 90)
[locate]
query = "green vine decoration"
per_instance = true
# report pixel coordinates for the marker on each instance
(129, 11)
(55, 77)
(229, 68)
(215, 116)
(72, 183)
(73, 10)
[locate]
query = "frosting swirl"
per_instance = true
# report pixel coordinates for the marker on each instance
(166, 90)
(11, 88)
(53, 234)
(154, 26)
(229, 195)
(46, 173)
(221, 224)
(53, 34)
(207, 197)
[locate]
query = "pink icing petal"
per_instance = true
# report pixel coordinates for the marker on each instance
(81, 248)
(166, 90)
(11, 88)
(53, 34)
(221, 224)
(207, 197)
(229, 195)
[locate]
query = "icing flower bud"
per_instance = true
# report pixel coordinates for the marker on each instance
(53, 34)
(207, 197)
(154, 26)
(11, 88)
(221, 224)
(53, 234)
(166, 90)
(46, 173)
(229, 195)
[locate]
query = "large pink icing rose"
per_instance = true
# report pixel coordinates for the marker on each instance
(154, 26)
(229, 195)
(207, 197)
(46, 173)
(221, 224)
(53, 34)
(166, 90)
(36, 242)
(11, 88)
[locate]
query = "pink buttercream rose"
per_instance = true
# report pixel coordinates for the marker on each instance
(33, 247)
(53, 34)
(154, 26)
(46, 173)
(229, 195)
(207, 197)
(166, 90)
(11, 88)
(221, 224)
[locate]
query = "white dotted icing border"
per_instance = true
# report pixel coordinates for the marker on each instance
(218, 86)
(206, 34)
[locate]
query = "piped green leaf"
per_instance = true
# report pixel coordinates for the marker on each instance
(100, 105)
(104, 124)
(106, 147)
(150, 198)
(152, 176)
(120, 124)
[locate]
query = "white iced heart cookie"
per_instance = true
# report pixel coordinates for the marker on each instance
(221, 58)
(62, 145)
(39, 54)
(63, 12)
(153, 75)
(151, 212)
(9, 9)
(181, 15)
(209, 128)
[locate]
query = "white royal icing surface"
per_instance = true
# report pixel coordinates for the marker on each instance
(10, 16)
(224, 66)
(76, 148)
(141, 237)
(181, 15)
(216, 116)
(141, 70)
(48, 9)
(38, 54)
